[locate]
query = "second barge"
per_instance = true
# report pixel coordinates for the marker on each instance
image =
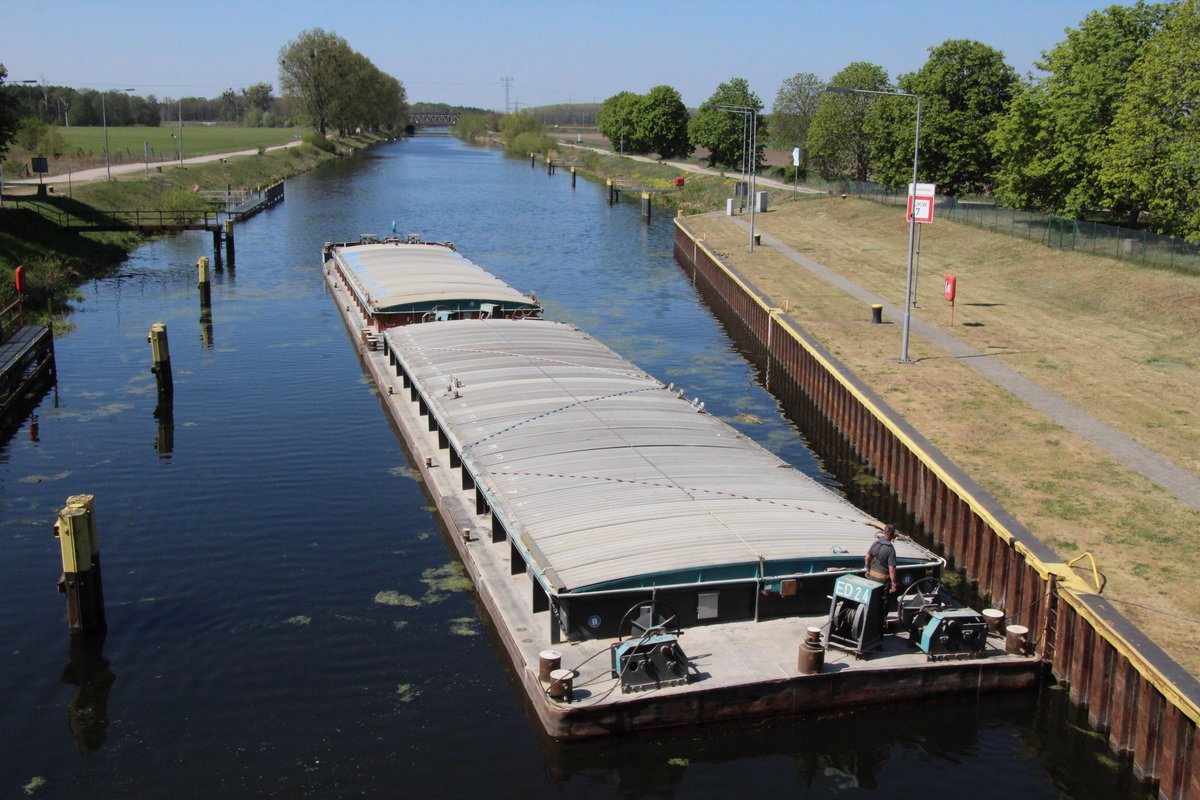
(675, 567)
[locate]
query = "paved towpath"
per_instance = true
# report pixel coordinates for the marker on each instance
(101, 173)
(1170, 476)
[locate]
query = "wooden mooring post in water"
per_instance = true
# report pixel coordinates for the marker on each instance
(645, 205)
(205, 287)
(229, 249)
(161, 353)
(223, 235)
(81, 581)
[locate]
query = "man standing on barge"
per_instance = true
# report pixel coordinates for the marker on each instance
(880, 560)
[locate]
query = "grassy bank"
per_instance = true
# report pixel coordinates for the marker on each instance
(699, 192)
(56, 261)
(84, 146)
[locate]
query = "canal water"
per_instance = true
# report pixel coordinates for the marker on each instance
(285, 619)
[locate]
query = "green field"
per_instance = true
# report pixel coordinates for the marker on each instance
(130, 143)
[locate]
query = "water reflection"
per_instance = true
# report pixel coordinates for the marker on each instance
(940, 749)
(90, 673)
(164, 412)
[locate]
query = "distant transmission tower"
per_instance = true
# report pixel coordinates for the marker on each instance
(507, 84)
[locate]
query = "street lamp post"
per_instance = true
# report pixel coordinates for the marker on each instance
(912, 222)
(750, 151)
(104, 122)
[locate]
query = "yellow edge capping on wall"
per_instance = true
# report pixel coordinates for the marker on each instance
(1073, 587)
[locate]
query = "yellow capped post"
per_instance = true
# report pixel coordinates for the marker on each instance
(161, 354)
(80, 580)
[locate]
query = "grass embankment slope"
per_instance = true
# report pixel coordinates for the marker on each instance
(1119, 341)
(699, 193)
(56, 261)
(84, 146)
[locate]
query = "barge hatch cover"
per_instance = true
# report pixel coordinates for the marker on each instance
(612, 480)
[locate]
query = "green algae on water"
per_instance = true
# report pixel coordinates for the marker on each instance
(394, 598)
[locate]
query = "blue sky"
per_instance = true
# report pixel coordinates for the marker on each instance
(555, 52)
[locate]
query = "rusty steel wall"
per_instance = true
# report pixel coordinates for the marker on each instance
(1147, 705)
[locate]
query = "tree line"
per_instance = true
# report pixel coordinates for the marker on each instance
(1108, 130)
(70, 107)
(324, 83)
(336, 88)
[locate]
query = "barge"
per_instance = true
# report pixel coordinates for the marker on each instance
(395, 282)
(645, 564)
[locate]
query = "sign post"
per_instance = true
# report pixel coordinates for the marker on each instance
(795, 169)
(920, 201)
(40, 165)
(920, 209)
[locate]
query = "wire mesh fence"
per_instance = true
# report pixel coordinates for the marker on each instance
(1113, 241)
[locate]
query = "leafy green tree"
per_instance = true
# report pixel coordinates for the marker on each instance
(29, 131)
(661, 123)
(37, 138)
(85, 110)
(796, 103)
(391, 103)
(723, 132)
(839, 145)
(520, 130)
(336, 87)
(230, 106)
(311, 70)
(1049, 143)
(116, 109)
(617, 121)
(470, 127)
(8, 114)
(965, 87)
(145, 111)
(1153, 155)
(258, 96)
(349, 109)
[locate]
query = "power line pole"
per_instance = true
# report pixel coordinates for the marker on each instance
(507, 84)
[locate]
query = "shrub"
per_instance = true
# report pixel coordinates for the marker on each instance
(530, 142)
(318, 140)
